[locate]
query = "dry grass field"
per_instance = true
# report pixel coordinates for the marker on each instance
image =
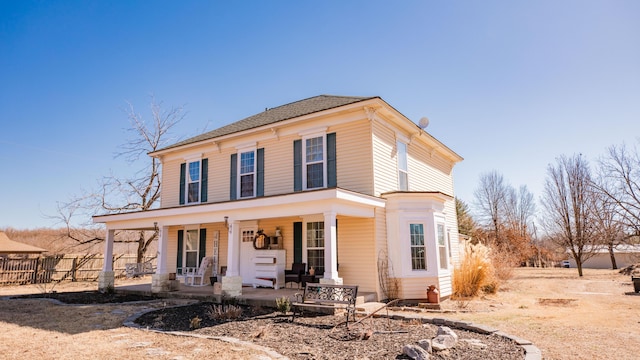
(567, 317)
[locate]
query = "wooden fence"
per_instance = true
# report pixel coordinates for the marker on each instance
(68, 267)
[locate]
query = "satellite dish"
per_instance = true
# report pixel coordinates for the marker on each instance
(424, 122)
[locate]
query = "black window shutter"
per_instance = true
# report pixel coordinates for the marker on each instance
(332, 179)
(297, 242)
(233, 185)
(260, 172)
(297, 165)
(180, 247)
(183, 179)
(203, 245)
(205, 181)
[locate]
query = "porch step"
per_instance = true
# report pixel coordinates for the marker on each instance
(368, 307)
(365, 298)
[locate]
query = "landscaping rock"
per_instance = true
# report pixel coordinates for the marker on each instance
(444, 330)
(425, 344)
(415, 352)
(443, 342)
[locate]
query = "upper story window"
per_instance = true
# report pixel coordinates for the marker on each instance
(403, 178)
(247, 174)
(193, 181)
(314, 162)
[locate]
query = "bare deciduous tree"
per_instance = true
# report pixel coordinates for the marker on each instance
(116, 195)
(620, 181)
(567, 199)
(490, 198)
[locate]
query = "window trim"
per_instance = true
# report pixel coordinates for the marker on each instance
(187, 230)
(188, 182)
(305, 164)
(405, 171)
(240, 174)
(305, 239)
(443, 259)
(424, 246)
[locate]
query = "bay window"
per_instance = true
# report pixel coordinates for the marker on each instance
(418, 250)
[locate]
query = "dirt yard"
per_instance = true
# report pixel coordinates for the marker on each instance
(567, 317)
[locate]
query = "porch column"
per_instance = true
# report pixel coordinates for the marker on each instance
(163, 250)
(106, 278)
(330, 250)
(163, 280)
(232, 282)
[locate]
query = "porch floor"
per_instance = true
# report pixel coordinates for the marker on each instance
(251, 296)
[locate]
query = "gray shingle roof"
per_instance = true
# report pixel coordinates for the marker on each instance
(277, 114)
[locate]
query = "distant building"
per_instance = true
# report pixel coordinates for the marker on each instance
(9, 247)
(625, 255)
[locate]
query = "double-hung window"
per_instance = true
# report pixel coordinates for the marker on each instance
(418, 253)
(247, 174)
(315, 246)
(314, 162)
(193, 182)
(442, 248)
(191, 248)
(403, 178)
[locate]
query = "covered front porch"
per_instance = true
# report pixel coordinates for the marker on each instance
(251, 296)
(226, 224)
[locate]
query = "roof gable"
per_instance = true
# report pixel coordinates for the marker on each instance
(274, 115)
(8, 246)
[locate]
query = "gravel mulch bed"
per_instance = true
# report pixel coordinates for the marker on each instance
(316, 336)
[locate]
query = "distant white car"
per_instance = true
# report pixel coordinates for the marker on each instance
(566, 264)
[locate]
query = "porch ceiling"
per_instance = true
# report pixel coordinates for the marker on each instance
(342, 202)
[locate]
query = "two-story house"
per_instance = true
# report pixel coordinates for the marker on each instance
(347, 185)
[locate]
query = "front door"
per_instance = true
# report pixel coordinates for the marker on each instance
(247, 252)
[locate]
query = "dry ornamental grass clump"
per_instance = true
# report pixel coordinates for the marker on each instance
(474, 274)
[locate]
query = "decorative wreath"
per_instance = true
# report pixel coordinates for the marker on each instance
(260, 241)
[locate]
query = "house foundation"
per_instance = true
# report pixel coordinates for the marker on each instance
(164, 283)
(106, 281)
(231, 286)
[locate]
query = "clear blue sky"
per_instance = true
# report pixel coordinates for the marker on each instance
(509, 85)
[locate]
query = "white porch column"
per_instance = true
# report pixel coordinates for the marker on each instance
(163, 280)
(108, 250)
(233, 252)
(163, 250)
(330, 250)
(106, 278)
(232, 282)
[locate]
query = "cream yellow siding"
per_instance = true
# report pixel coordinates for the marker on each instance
(384, 159)
(357, 253)
(354, 156)
(278, 165)
(380, 226)
(416, 288)
(219, 180)
(428, 171)
(170, 183)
